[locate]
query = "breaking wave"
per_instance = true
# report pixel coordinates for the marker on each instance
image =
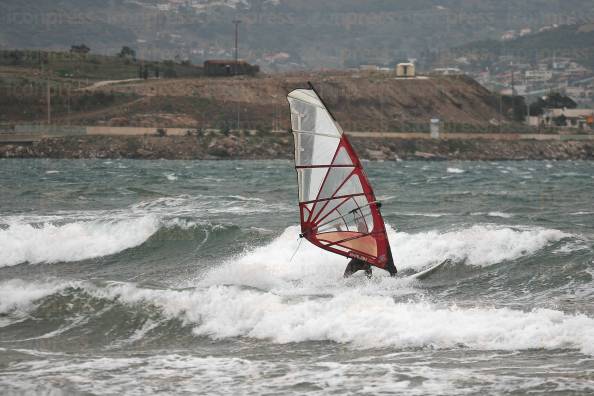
(262, 294)
(345, 316)
(479, 245)
(17, 294)
(52, 243)
(76, 236)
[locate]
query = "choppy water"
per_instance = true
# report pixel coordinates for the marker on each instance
(133, 277)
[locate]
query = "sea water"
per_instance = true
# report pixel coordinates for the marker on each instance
(141, 277)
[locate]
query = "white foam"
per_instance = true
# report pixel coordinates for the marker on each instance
(500, 214)
(242, 198)
(188, 374)
(455, 170)
(582, 213)
(414, 214)
(270, 266)
(171, 176)
(479, 245)
(362, 320)
(50, 243)
(503, 215)
(16, 294)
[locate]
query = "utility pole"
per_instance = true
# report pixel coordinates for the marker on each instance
(68, 102)
(236, 67)
(238, 114)
(49, 99)
(527, 111)
(500, 109)
(236, 22)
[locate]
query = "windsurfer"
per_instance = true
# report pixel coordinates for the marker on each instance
(359, 265)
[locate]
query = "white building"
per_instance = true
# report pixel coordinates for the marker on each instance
(405, 70)
(448, 71)
(538, 75)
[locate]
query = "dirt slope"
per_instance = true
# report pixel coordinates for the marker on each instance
(361, 102)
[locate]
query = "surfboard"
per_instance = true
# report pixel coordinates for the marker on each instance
(429, 271)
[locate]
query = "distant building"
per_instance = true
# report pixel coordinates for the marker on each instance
(538, 75)
(583, 94)
(569, 118)
(223, 68)
(80, 49)
(369, 68)
(447, 71)
(509, 35)
(435, 127)
(405, 70)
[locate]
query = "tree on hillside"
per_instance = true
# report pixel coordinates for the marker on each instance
(127, 52)
(514, 107)
(553, 101)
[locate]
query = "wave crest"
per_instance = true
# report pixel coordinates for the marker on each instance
(52, 243)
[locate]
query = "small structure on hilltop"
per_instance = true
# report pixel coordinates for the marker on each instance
(222, 68)
(405, 70)
(80, 49)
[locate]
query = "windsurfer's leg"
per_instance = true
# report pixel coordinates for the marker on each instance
(350, 270)
(368, 271)
(355, 265)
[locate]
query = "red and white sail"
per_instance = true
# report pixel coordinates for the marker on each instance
(339, 211)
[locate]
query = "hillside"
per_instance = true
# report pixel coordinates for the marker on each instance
(575, 41)
(362, 102)
(306, 33)
(91, 67)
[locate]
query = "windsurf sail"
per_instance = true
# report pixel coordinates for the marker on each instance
(339, 211)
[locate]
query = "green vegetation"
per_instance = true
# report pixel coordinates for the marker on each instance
(23, 100)
(82, 66)
(572, 41)
(552, 101)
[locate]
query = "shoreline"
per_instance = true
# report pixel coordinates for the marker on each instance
(269, 146)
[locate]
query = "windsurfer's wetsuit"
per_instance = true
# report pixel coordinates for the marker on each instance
(359, 265)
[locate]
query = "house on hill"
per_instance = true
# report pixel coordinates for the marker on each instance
(80, 49)
(569, 118)
(221, 68)
(405, 70)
